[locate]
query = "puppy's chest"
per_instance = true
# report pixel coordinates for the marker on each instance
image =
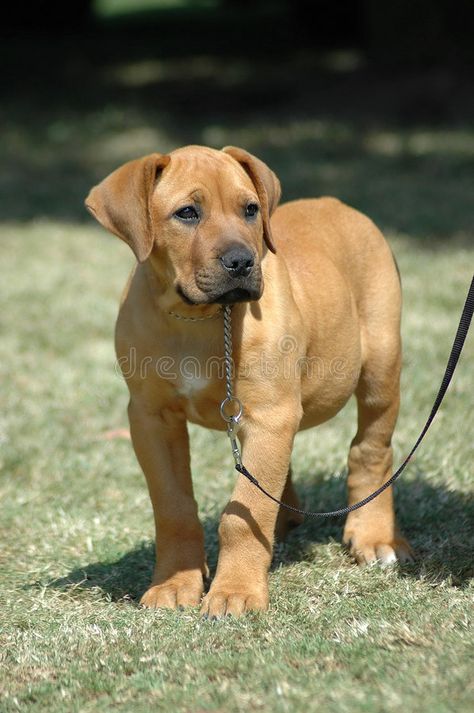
(200, 397)
(195, 376)
(190, 386)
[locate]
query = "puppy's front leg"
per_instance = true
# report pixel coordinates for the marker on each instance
(162, 447)
(247, 526)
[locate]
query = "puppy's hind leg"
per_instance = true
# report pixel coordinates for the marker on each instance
(371, 532)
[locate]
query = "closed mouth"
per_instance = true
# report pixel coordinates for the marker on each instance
(238, 294)
(184, 296)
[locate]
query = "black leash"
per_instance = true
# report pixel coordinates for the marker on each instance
(460, 338)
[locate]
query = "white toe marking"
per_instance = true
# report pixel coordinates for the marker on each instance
(388, 559)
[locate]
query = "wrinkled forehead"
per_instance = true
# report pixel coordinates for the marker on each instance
(206, 172)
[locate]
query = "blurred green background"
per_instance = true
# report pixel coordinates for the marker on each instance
(368, 101)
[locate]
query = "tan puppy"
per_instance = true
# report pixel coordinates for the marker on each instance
(315, 320)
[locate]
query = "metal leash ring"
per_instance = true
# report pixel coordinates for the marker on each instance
(233, 417)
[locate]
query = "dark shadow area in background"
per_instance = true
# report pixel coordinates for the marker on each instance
(343, 98)
(438, 522)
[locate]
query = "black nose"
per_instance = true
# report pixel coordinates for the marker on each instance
(238, 261)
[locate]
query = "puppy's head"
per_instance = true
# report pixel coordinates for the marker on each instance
(202, 215)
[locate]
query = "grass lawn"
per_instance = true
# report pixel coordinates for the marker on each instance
(76, 523)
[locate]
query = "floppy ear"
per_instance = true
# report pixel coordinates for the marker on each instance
(121, 203)
(266, 184)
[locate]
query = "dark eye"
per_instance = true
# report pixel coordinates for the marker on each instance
(188, 214)
(251, 210)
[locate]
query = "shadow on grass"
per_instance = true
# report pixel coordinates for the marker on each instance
(438, 522)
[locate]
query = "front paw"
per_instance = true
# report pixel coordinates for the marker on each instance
(233, 599)
(182, 590)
